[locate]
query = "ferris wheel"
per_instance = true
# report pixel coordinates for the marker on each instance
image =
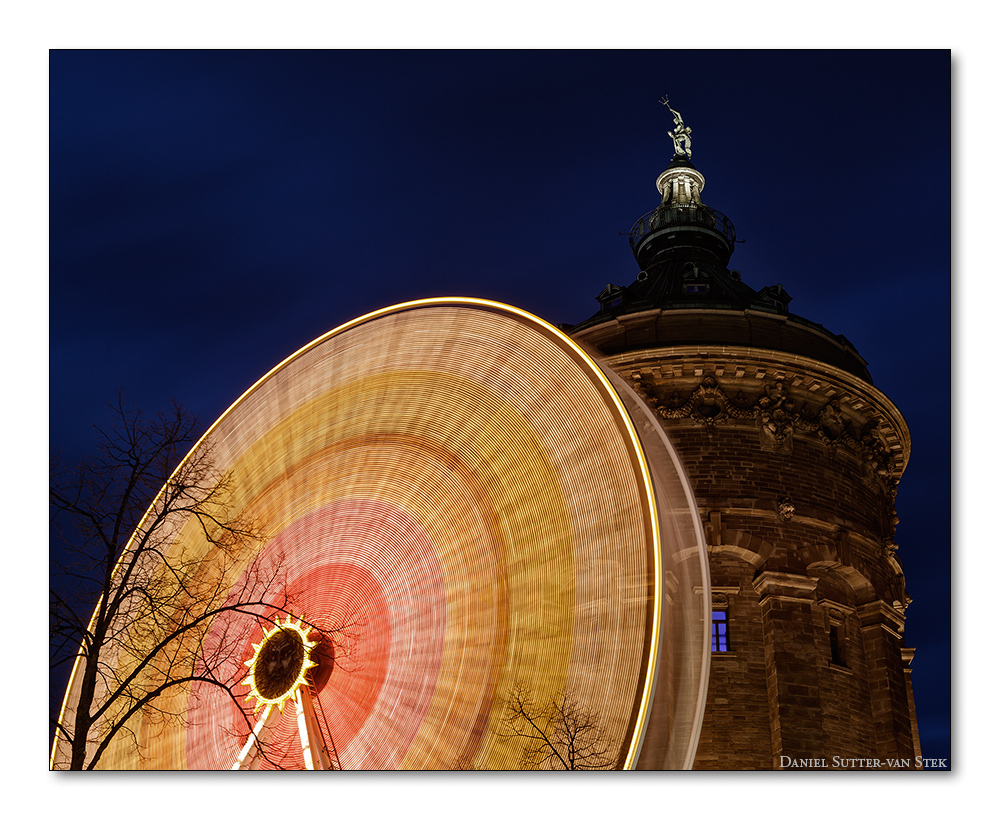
(461, 507)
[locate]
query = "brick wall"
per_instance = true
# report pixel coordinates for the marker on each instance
(799, 517)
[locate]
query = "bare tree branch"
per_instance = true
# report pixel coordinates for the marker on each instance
(560, 734)
(115, 519)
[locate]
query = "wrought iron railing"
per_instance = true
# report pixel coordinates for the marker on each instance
(662, 217)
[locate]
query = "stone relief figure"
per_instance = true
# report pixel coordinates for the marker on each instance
(776, 412)
(875, 456)
(831, 421)
(681, 134)
(778, 417)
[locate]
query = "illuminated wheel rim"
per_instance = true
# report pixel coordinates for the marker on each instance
(459, 481)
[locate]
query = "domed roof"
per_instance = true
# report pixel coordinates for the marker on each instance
(685, 292)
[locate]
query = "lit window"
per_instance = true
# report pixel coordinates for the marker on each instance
(720, 637)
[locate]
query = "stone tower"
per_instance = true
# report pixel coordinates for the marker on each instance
(794, 457)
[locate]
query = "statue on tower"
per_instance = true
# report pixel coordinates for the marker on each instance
(681, 134)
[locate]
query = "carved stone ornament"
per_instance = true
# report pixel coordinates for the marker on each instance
(786, 509)
(831, 427)
(901, 599)
(875, 456)
(708, 403)
(779, 417)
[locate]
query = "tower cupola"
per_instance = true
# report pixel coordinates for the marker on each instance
(682, 225)
(685, 292)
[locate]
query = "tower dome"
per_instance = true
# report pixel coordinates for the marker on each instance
(685, 291)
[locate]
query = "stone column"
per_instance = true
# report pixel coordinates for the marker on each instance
(880, 631)
(907, 654)
(793, 695)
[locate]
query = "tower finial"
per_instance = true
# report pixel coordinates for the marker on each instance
(681, 134)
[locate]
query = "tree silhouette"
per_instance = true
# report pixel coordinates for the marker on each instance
(561, 733)
(165, 618)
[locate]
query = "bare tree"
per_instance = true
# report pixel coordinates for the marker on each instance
(561, 733)
(164, 619)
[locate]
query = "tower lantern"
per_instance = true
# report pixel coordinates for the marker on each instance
(682, 225)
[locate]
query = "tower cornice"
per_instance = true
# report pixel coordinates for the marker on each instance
(751, 384)
(756, 329)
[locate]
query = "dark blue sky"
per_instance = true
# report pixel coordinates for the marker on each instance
(212, 212)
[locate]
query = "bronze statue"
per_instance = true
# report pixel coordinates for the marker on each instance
(681, 134)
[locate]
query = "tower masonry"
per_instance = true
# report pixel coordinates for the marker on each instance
(794, 457)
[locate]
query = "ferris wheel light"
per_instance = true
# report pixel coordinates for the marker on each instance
(279, 664)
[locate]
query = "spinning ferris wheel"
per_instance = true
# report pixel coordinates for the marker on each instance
(474, 506)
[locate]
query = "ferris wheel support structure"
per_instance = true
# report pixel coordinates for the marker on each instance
(314, 753)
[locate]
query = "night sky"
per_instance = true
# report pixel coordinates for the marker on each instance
(212, 212)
